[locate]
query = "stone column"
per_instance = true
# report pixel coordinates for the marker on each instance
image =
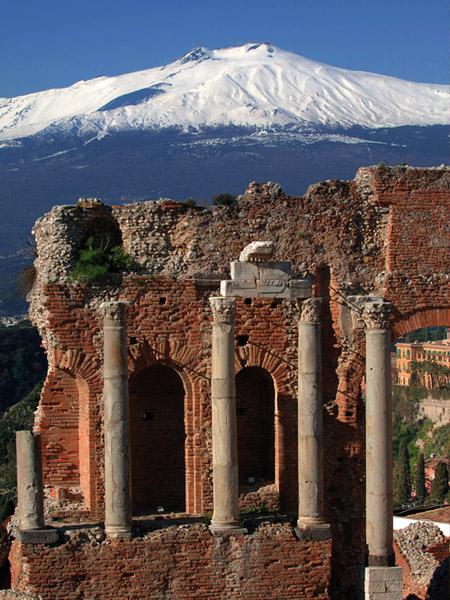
(29, 481)
(311, 522)
(379, 484)
(225, 520)
(118, 515)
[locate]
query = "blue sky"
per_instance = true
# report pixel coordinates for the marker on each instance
(48, 43)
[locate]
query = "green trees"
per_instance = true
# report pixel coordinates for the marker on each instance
(439, 487)
(96, 261)
(402, 475)
(224, 200)
(419, 480)
(22, 362)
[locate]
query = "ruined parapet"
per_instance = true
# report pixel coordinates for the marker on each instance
(421, 549)
(330, 225)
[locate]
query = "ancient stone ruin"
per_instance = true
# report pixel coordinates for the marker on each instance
(226, 376)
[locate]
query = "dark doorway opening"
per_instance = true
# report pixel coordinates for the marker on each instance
(255, 396)
(157, 441)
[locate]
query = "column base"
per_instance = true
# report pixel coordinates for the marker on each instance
(384, 560)
(226, 528)
(46, 535)
(118, 532)
(309, 529)
(381, 583)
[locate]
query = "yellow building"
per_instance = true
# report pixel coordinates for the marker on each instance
(427, 362)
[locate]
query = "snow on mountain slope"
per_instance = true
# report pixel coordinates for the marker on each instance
(257, 85)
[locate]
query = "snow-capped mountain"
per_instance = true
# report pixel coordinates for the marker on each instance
(210, 122)
(256, 85)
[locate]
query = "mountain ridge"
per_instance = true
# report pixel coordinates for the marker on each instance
(252, 85)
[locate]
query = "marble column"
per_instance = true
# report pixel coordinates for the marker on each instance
(379, 467)
(118, 515)
(225, 520)
(29, 481)
(311, 521)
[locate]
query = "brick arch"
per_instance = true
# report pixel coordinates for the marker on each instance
(183, 360)
(158, 439)
(76, 363)
(251, 355)
(76, 378)
(166, 351)
(279, 370)
(428, 317)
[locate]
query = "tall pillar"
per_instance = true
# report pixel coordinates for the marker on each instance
(379, 479)
(311, 522)
(225, 520)
(29, 481)
(118, 515)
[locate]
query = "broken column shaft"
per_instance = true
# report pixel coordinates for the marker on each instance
(118, 515)
(29, 481)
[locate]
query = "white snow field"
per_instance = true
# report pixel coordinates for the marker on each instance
(256, 85)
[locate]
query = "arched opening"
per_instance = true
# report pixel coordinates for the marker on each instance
(157, 440)
(62, 425)
(255, 398)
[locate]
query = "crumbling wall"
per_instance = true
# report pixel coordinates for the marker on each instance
(423, 550)
(179, 562)
(384, 233)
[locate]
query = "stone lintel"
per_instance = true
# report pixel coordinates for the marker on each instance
(313, 532)
(43, 536)
(289, 289)
(243, 271)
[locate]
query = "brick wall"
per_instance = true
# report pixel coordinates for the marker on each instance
(178, 563)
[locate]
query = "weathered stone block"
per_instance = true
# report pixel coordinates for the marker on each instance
(44, 536)
(263, 270)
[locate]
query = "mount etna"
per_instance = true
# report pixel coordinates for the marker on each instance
(208, 123)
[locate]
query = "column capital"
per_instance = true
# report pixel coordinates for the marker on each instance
(376, 315)
(223, 309)
(370, 312)
(310, 310)
(115, 310)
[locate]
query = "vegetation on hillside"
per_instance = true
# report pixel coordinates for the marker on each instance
(23, 366)
(22, 362)
(402, 475)
(417, 438)
(439, 487)
(18, 417)
(426, 334)
(419, 479)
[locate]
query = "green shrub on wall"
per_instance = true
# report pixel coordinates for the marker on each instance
(95, 262)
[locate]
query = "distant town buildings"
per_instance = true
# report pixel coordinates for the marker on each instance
(426, 362)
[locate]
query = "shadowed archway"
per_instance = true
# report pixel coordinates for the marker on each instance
(255, 397)
(157, 440)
